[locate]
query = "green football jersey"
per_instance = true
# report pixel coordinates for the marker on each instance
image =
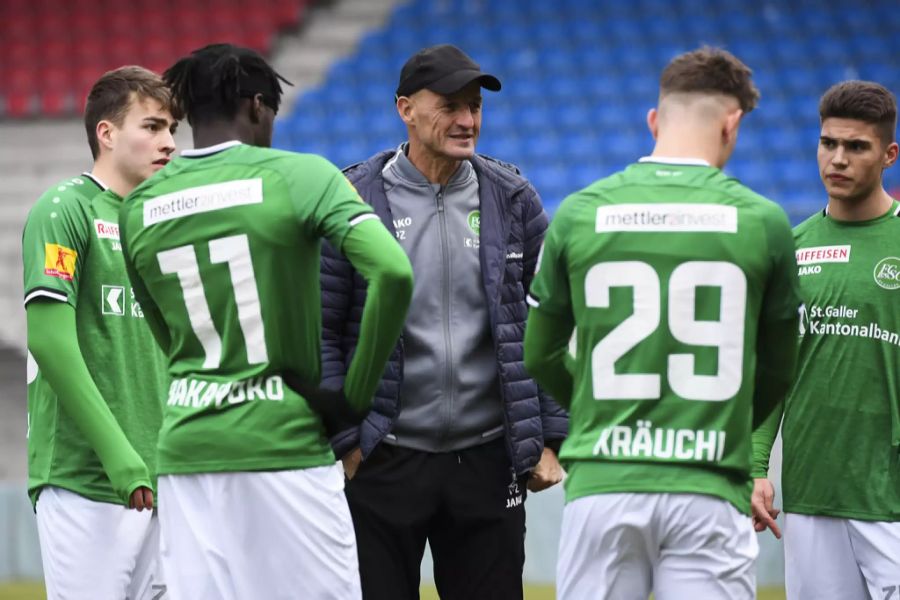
(71, 253)
(841, 429)
(225, 243)
(668, 269)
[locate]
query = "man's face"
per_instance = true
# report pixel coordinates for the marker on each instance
(447, 126)
(851, 158)
(143, 142)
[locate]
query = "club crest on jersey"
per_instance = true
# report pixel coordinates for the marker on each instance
(59, 261)
(887, 273)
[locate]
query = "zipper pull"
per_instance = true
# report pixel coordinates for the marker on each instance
(440, 201)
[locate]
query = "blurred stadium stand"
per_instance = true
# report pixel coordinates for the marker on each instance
(54, 50)
(578, 78)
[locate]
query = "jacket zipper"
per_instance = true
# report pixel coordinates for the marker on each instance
(445, 314)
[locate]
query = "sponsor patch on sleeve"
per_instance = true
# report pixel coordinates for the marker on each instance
(59, 261)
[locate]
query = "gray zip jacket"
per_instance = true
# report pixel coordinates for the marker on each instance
(450, 396)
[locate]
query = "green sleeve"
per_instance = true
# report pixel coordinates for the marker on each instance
(374, 252)
(776, 344)
(325, 201)
(53, 341)
(546, 345)
(54, 245)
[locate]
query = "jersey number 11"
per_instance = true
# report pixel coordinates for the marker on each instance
(235, 251)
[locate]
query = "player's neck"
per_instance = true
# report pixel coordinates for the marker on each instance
(104, 171)
(710, 151)
(220, 132)
(873, 206)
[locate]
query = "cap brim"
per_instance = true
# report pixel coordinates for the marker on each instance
(454, 82)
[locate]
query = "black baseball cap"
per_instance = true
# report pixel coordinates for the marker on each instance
(444, 69)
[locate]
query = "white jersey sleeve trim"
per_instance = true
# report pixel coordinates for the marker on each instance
(532, 301)
(44, 293)
(359, 219)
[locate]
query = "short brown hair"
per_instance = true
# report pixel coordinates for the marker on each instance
(864, 101)
(713, 71)
(111, 96)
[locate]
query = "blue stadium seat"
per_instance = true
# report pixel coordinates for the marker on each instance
(579, 75)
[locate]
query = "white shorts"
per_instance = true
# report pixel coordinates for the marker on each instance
(829, 558)
(94, 550)
(262, 534)
(679, 546)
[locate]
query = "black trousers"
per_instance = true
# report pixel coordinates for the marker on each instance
(466, 504)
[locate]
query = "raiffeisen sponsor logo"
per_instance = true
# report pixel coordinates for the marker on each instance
(809, 260)
(823, 254)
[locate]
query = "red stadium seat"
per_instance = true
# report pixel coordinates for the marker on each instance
(20, 104)
(53, 26)
(258, 40)
(156, 50)
(56, 53)
(21, 79)
(20, 52)
(54, 103)
(56, 79)
(84, 76)
(79, 99)
(9, 8)
(90, 51)
(190, 19)
(54, 50)
(18, 26)
(124, 48)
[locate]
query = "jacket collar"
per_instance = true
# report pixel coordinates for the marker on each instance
(405, 169)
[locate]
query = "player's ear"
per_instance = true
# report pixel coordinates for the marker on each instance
(256, 108)
(105, 134)
(890, 155)
(732, 122)
(653, 122)
(405, 109)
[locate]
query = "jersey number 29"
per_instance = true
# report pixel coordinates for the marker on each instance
(726, 333)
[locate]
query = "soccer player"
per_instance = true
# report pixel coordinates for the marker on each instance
(841, 430)
(681, 285)
(95, 374)
(223, 250)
